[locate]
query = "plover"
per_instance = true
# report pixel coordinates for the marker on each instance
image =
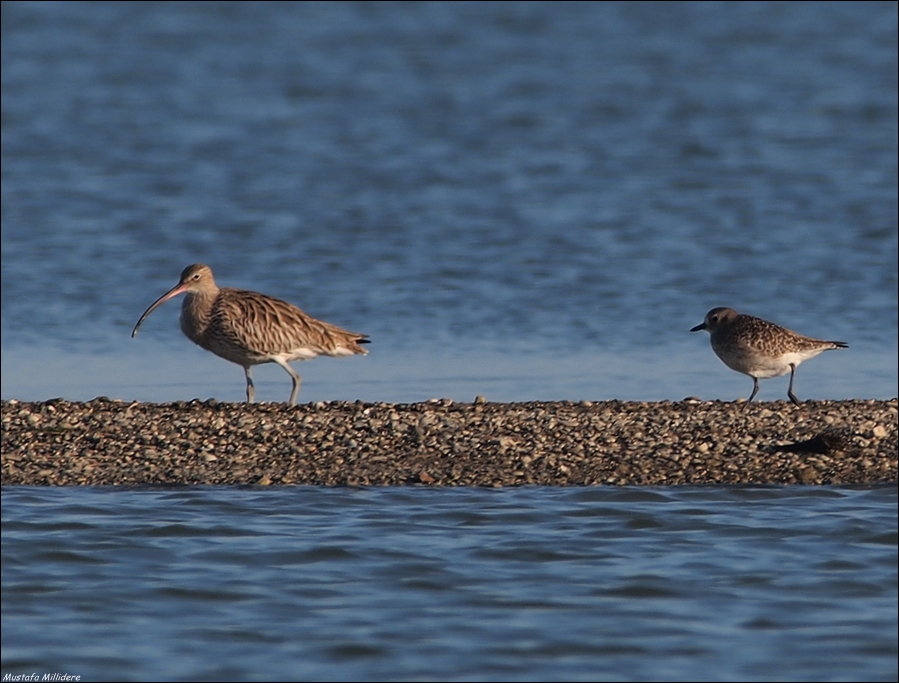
(758, 348)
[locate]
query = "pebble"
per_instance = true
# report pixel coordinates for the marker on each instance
(445, 443)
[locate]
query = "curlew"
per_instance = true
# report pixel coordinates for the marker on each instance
(249, 328)
(758, 348)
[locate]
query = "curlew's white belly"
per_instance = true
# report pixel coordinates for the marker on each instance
(307, 353)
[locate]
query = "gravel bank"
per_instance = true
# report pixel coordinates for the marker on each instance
(443, 443)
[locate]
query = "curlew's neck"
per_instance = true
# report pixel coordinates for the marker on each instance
(196, 312)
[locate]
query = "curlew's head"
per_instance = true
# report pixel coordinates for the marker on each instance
(195, 279)
(716, 318)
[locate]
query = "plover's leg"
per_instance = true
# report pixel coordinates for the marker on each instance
(251, 390)
(755, 389)
(790, 390)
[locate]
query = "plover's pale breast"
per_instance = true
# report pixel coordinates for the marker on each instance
(759, 348)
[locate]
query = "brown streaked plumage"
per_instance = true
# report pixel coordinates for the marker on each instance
(758, 348)
(249, 328)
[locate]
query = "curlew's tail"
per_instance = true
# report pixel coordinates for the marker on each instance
(349, 345)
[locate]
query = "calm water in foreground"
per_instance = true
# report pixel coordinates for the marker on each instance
(796, 583)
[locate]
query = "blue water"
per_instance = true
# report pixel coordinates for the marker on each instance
(796, 583)
(522, 201)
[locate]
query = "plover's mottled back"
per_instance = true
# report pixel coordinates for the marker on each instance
(758, 348)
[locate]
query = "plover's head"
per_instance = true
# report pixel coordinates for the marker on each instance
(716, 318)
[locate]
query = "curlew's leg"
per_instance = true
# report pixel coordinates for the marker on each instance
(296, 381)
(755, 389)
(790, 390)
(251, 390)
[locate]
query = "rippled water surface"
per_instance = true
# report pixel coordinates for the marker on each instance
(525, 201)
(456, 584)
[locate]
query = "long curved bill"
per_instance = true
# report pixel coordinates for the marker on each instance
(173, 292)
